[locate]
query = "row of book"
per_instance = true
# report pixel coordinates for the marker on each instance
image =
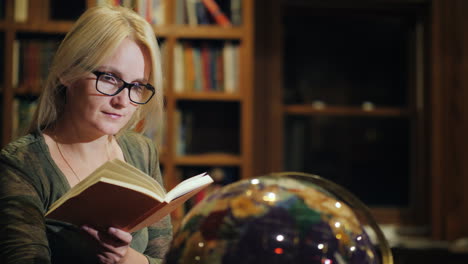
(191, 12)
(31, 62)
(184, 123)
(199, 66)
(152, 10)
(23, 109)
(206, 66)
(206, 12)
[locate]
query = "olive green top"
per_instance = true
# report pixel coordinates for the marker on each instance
(30, 182)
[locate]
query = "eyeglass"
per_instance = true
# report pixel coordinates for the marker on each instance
(111, 85)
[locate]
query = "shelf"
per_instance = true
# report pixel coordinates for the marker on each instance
(208, 96)
(214, 159)
(198, 32)
(176, 31)
(61, 27)
(345, 111)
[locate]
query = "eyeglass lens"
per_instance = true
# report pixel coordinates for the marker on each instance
(109, 85)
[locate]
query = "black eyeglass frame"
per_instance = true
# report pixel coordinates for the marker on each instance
(125, 85)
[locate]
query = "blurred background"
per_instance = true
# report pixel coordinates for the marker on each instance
(370, 94)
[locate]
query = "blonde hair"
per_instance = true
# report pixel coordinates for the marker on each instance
(94, 37)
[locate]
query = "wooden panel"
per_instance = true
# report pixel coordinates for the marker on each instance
(204, 32)
(345, 111)
(217, 159)
(208, 96)
(450, 119)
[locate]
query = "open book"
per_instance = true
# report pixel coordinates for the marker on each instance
(119, 195)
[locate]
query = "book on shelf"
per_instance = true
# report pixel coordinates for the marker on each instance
(180, 12)
(21, 10)
(119, 195)
(197, 66)
(15, 63)
(218, 15)
(23, 111)
(31, 61)
(152, 10)
(236, 12)
(206, 66)
(202, 12)
(189, 68)
(179, 72)
(230, 56)
(184, 122)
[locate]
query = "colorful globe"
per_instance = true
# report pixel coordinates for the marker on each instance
(271, 219)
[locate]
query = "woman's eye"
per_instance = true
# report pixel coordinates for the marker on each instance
(108, 78)
(138, 88)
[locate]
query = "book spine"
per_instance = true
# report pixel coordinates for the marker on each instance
(191, 12)
(21, 10)
(216, 12)
(206, 69)
(16, 64)
(236, 12)
(179, 68)
(202, 16)
(180, 12)
(198, 69)
(228, 59)
(189, 67)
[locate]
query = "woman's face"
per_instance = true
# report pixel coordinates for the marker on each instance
(99, 114)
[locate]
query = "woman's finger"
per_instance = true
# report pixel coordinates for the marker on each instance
(120, 234)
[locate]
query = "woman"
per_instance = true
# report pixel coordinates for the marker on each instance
(99, 87)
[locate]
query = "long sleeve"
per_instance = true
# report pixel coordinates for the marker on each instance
(160, 233)
(160, 236)
(22, 225)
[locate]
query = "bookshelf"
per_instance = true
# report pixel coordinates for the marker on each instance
(347, 101)
(223, 116)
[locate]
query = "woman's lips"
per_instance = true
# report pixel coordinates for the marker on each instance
(113, 115)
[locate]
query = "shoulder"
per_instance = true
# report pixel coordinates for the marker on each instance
(132, 138)
(21, 164)
(136, 142)
(138, 150)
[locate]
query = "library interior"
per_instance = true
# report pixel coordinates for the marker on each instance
(366, 94)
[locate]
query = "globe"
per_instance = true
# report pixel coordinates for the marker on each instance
(272, 219)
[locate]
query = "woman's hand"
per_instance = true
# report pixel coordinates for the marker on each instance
(113, 244)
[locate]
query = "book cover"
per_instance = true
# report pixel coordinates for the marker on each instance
(197, 64)
(21, 10)
(180, 12)
(236, 12)
(191, 12)
(179, 68)
(229, 67)
(206, 62)
(120, 195)
(218, 15)
(189, 68)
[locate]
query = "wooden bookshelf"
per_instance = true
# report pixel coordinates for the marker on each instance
(345, 111)
(38, 23)
(329, 112)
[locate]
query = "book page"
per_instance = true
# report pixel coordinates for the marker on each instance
(144, 180)
(188, 185)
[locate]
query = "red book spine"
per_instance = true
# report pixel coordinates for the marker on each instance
(216, 12)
